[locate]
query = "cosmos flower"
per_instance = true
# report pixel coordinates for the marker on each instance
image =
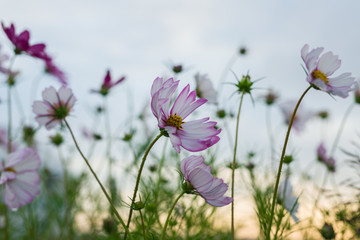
(357, 90)
(286, 197)
(205, 89)
(198, 174)
(20, 177)
(270, 97)
(301, 117)
(320, 69)
(21, 43)
(322, 157)
(194, 135)
(107, 84)
(56, 105)
(53, 70)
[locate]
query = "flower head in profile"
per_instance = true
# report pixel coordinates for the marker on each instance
(322, 157)
(55, 107)
(194, 135)
(200, 180)
(287, 198)
(107, 84)
(301, 117)
(270, 97)
(205, 88)
(320, 70)
(19, 174)
(21, 43)
(53, 70)
(357, 91)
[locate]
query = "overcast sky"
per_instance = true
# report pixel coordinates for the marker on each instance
(140, 39)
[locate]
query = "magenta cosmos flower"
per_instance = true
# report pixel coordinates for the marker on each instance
(198, 174)
(56, 105)
(20, 177)
(194, 135)
(322, 157)
(107, 84)
(21, 43)
(53, 70)
(321, 68)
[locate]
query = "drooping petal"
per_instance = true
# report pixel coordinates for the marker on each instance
(199, 176)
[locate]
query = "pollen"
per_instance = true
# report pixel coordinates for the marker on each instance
(174, 121)
(320, 75)
(10, 170)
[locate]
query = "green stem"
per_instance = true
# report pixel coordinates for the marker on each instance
(66, 197)
(281, 162)
(9, 150)
(168, 217)
(319, 194)
(142, 224)
(233, 168)
(341, 128)
(97, 179)
(271, 137)
(9, 120)
(138, 180)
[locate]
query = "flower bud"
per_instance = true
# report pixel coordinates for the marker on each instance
(288, 159)
(57, 139)
(327, 231)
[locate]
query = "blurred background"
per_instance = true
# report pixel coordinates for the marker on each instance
(145, 39)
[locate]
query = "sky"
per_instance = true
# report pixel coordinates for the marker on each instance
(142, 39)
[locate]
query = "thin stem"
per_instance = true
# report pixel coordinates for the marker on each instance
(142, 224)
(319, 194)
(271, 136)
(66, 197)
(9, 120)
(168, 217)
(233, 168)
(108, 133)
(138, 179)
(281, 162)
(97, 179)
(341, 128)
(9, 150)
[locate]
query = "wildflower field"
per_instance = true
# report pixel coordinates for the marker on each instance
(181, 154)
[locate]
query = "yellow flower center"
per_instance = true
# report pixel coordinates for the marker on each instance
(174, 121)
(10, 170)
(320, 75)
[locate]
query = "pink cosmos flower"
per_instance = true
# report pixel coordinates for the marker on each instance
(53, 70)
(322, 157)
(194, 135)
(21, 43)
(357, 91)
(301, 117)
(321, 68)
(56, 105)
(198, 174)
(205, 88)
(107, 84)
(286, 197)
(20, 177)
